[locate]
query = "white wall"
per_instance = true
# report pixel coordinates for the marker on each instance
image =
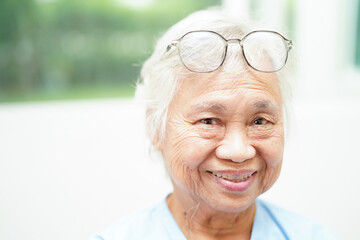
(68, 169)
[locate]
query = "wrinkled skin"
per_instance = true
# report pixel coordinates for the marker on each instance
(222, 122)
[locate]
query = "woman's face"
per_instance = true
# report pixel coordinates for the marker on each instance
(224, 139)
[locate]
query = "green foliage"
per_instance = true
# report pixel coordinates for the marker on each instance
(61, 45)
(357, 40)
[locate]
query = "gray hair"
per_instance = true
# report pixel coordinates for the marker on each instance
(161, 73)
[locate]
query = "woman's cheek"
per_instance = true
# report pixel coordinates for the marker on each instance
(193, 143)
(194, 151)
(188, 152)
(186, 146)
(269, 143)
(271, 152)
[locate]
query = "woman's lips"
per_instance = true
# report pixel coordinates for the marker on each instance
(234, 180)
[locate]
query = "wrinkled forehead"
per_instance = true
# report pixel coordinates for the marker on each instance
(194, 85)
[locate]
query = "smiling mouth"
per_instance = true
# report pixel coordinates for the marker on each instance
(232, 178)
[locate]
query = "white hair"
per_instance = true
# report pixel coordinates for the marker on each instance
(161, 73)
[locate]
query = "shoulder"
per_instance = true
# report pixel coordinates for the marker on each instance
(292, 225)
(153, 222)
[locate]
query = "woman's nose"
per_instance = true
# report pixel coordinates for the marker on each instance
(235, 147)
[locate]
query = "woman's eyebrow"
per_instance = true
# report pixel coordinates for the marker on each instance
(220, 108)
(212, 107)
(263, 104)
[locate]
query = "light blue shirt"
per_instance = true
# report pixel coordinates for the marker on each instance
(271, 223)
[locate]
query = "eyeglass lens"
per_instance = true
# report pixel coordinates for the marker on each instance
(205, 51)
(202, 51)
(265, 51)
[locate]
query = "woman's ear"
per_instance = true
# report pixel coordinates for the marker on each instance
(153, 133)
(157, 143)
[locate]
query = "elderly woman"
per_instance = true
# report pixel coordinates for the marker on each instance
(214, 110)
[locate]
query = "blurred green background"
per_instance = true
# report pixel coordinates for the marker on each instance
(70, 49)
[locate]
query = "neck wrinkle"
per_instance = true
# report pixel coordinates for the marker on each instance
(197, 221)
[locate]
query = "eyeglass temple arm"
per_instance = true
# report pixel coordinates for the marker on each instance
(172, 44)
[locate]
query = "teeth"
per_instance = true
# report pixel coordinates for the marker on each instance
(233, 179)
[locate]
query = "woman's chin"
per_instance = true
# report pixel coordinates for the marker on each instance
(228, 204)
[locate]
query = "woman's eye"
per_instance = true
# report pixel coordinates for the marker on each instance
(260, 121)
(208, 121)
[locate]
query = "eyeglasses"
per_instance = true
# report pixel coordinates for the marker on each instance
(205, 51)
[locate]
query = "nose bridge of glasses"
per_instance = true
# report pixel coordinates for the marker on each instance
(233, 40)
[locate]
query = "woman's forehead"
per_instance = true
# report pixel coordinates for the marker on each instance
(222, 107)
(200, 88)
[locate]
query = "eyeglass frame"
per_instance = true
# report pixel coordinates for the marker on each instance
(175, 42)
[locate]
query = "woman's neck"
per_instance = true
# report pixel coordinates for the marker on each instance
(199, 221)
